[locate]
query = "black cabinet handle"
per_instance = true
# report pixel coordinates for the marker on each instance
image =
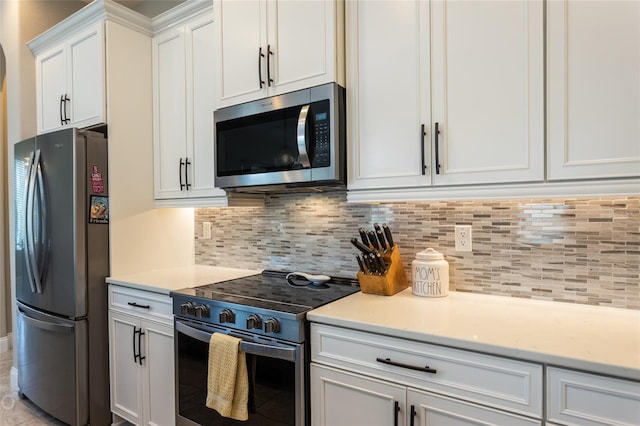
(260, 56)
(422, 135)
(61, 104)
(413, 416)
(66, 116)
(436, 133)
(140, 357)
(139, 306)
(269, 53)
(135, 355)
(187, 163)
(180, 174)
(388, 361)
(396, 410)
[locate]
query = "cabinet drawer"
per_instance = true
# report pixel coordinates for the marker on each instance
(575, 398)
(495, 381)
(142, 303)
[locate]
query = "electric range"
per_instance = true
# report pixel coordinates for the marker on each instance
(264, 304)
(267, 313)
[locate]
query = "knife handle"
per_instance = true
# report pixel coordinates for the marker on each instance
(387, 233)
(363, 236)
(364, 249)
(383, 243)
(360, 264)
(367, 262)
(373, 240)
(381, 263)
(376, 265)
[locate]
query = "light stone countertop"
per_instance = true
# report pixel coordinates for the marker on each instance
(592, 338)
(170, 279)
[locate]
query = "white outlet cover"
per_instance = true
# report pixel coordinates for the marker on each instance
(206, 230)
(463, 238)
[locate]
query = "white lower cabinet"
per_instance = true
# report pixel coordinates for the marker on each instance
(340, 398)
(141, 357)
(577, 398)
(360, 378)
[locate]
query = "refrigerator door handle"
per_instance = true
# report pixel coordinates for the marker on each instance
(44, 325)
(28, 213)
(43, 249)
(30, 225)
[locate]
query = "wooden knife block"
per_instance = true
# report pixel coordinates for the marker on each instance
(393, 281)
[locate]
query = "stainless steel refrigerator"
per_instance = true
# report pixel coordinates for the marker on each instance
(62, 234)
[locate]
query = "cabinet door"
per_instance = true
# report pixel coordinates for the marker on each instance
(169, 113)
(86, 82)
(387, 93)
(200, 106)
(576, 398)
(302, 37)
(342, 399)
(125, 372)
(158, 372)
(435, 410)
(487, 91)
(593, 103)
(51, 85)
(240, 38)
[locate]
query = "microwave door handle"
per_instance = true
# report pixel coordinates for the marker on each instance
(270, 351)
(28, 212)
(303, 156)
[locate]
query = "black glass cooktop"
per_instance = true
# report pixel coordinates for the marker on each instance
(270, 290)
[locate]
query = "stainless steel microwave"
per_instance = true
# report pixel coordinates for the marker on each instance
(294, 141)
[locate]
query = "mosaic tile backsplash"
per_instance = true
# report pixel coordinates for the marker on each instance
(568, 250)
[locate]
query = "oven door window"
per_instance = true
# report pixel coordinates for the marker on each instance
(272, 387)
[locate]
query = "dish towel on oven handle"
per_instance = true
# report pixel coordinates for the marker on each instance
(227, 381)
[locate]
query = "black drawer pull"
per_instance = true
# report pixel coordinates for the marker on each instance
(139, 306)
(388, 361)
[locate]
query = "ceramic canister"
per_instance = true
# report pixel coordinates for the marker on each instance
(430, 274)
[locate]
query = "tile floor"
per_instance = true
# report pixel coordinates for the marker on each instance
(13, 410)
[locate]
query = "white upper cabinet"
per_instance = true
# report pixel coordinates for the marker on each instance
(474, 70)
(487, 87)
(593, 89)
(70, 82)
(268, 47)
(183, 108)
(183, 104)
(388, 98)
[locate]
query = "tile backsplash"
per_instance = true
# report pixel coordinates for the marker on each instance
(569, 250)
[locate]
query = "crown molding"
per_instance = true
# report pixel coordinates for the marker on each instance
(94, 12)
(179, 14)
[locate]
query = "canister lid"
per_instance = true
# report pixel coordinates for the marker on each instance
(429, 254)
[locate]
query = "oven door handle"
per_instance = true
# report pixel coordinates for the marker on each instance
(259, 349)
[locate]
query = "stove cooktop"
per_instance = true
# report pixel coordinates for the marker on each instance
(270, 290)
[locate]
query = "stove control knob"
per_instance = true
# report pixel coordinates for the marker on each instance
(254, 321)
(227, 315)
(202, 311)
(187, 308)
(272, 325)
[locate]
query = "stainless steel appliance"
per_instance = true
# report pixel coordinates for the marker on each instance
(61, 256)
(287, 142)
(268, 312)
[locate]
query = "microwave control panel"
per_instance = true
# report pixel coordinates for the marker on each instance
(322, 152)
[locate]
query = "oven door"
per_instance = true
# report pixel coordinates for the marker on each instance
(276, 378)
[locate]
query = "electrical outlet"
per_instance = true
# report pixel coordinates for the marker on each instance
(463, 238)
(206, 230)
